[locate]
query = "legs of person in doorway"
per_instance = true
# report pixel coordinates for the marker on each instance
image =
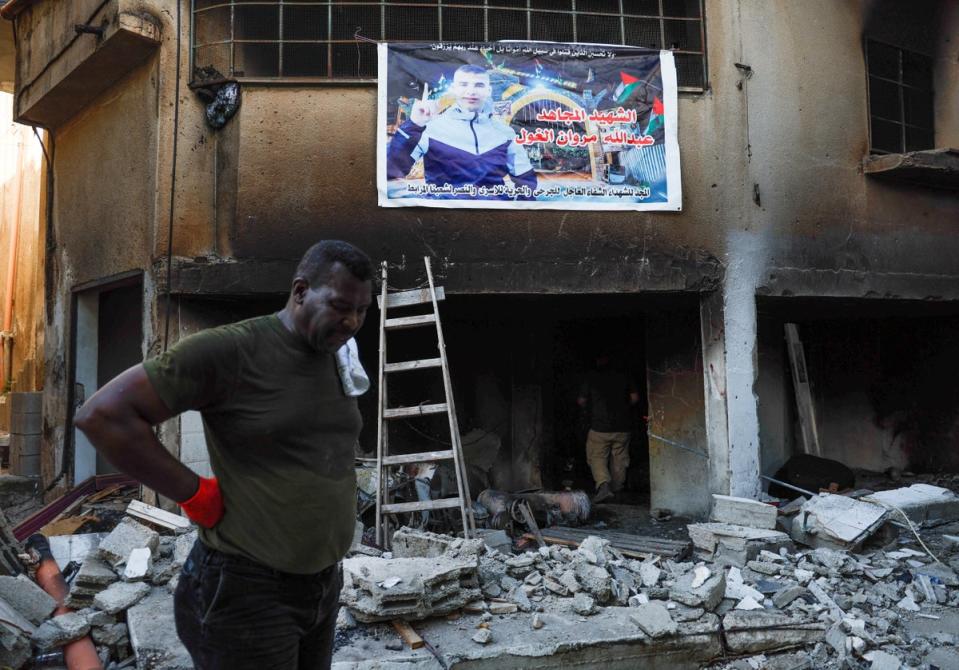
(619, 459)
(608, 458)
(597, 455)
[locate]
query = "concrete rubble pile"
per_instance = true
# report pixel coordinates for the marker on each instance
(748, 593)
(121, 597)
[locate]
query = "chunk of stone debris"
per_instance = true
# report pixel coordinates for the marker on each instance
(394, 645)
(782, 598)
(584, 604)
(15, 632)
(923, 504)
(26, 597)
(536, 622)
(427, 587)
(568, 579)
(483, 636)
(700, 574)
(110, 635)
(596, 546)
(747, 604)
(182, 547)
(737, 589)
(152, 632)
(743, 512)
(503, 608)
(764, 631)
(881, 660)
(120, 596)
(554, 586)
(654, 620)
(730, 544)
(94, 572)
(908, 603)
(764, 567)
(412, 543)
(649, 574)
(60, 630)
(138, 564)
(518, 596)
(682, 613)
(475, 607)
(97, 617)
(595, 580)
(637, 600)
(125, 537)
(706, 595)
(836, 522)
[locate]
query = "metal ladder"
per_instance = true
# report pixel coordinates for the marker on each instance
(384, 461)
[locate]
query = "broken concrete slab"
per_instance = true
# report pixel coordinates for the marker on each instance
(654, 620)
(26, 596)
(782, 598)
(584, 604)
(923, 504)
(837, 522)
(881, 660)
(743, 512)
(60, 630)
(94, 572)
(412, 543)
(125, 537)
(120, 596)
(427, 587)
(153, 635)
(730, 544)
(611, 640)
(750, 632)
(14, 628)
(595, 580)
(138, 564)
(707, 595)
(182, 547)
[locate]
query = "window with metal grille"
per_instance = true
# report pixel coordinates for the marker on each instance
(289, 39)
(900, 99)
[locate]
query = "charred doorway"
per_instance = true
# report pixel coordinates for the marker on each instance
(518, 363)
(882, 379)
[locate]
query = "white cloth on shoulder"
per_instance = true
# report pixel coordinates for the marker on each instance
(352, 375)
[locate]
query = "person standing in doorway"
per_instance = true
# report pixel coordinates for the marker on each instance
(260, 589)
(608, 396)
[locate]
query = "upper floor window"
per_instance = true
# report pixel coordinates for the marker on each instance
(284, 39)
(900, 99)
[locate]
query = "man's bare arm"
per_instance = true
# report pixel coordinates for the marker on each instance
(118, 420)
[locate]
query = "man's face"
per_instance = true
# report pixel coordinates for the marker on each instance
(471, 90)
(328, 315)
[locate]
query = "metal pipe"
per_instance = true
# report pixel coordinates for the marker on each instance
(788, 486)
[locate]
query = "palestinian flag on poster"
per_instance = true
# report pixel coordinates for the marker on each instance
(655, 117)
(626, 87)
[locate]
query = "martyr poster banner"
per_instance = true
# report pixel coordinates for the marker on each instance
(527, 125)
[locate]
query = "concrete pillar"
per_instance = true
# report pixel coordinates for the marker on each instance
(743, 274)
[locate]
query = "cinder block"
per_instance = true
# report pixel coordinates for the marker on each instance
(26, 424)
(26, 403)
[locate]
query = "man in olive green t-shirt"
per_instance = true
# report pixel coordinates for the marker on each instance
(261, 586)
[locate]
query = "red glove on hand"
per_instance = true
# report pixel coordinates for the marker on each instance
(206, 505)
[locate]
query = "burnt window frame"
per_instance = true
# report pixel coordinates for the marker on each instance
(527, 10)
(901, 88)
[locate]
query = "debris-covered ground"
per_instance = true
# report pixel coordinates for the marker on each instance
(866, 585)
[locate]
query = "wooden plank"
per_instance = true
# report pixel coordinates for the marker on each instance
(157, 516)
(804, 403)
(105, 493)
(422, 457)
(414, 365)
(66, 526)
(402, 322)
(410, 637)
(419, 410)
(442, 503)
(419, 296)
(531, 523)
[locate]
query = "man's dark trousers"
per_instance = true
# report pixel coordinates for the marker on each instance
(234, 614)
